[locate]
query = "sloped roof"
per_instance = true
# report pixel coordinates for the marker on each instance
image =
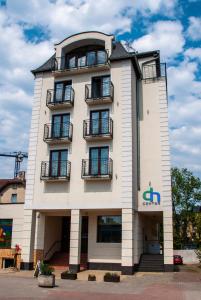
(118, 53)
(5, 182)
(46, 67)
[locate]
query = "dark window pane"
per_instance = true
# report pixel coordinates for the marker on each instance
(101, 57)
(109, 229)
(91, 58)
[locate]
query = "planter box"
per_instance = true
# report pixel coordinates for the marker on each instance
(69, 276)
(46, 280)
(107, 279)
(91, 278)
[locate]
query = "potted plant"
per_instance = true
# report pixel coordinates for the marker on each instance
(111, 277)
(69, 275)
(92, 277)
(46, 278)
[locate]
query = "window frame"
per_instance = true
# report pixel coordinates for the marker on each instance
(13, 194)
(98, 233)
(65, 83)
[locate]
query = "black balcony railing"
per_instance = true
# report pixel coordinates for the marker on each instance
(58, 170)
(95, 128)
(74, 62)
(58, 132)
(154, 71)
(60, 97)
(97, 168)
(104, 92)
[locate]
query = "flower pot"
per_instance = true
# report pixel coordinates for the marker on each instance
(69, 276)
(46, 280)
(111, 279)
(91, 278)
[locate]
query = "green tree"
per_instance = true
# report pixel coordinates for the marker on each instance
(186, 195)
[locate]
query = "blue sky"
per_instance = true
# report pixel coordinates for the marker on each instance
(29, 29)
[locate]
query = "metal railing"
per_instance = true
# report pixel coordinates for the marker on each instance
(60, 96)
(154, 71)
(58, 131)
(98, 127)
(87, 60)
(97, 168)
(106, 90)
(55, 169)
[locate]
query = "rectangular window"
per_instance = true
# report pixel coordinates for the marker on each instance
(99, 161)
(14, 198)
(99, 122)
(6, 233)
(109, 229)
(58, 163)
(100, 86)
(63, 91)
(60, 125)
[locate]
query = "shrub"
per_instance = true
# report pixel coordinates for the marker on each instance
(198, 253)
(45, 269)
(111, 277)
(91, 277)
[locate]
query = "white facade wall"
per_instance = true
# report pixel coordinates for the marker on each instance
(121, 192)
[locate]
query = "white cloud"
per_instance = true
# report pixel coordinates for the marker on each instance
(164, 35)
(194, 32)
(186, 147)
(193, 53)
(182, 80)
(62, 17)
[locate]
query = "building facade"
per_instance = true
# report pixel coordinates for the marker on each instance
(98, 179)
(12, 196)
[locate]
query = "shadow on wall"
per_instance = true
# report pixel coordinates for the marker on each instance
(97, 187)
(56, 187)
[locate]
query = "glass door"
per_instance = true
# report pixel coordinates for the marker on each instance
(101, 86)
(58, 163)
(60, 125)
(99, 122)
(63, 91)
(106, 86)
(98, 161)
(58, 92)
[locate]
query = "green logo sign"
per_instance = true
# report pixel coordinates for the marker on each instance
(151, 197)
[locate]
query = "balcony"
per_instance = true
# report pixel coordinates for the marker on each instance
(99, 95)
(58, 133)
(55, 170)
(97, 169)
(98, 129)
(58, 99)
(154, 72)
(87, 62)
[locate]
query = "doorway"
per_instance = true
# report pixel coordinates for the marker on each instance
(65, 235)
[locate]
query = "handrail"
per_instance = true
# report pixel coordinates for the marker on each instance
(52, 246)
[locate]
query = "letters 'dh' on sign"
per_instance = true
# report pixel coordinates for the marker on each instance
(151, 198)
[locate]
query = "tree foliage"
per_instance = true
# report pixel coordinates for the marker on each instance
(186, 196)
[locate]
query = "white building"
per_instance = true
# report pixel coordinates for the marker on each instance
(98, 181)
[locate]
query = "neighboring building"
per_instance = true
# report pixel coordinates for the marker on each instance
(98, 179)
(12, 194)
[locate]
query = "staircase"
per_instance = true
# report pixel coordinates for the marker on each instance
(151, 263)
(60, 261)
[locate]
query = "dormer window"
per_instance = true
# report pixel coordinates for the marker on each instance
(85, 57)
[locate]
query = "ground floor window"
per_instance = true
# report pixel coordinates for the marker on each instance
(6, 233)
(109, 229)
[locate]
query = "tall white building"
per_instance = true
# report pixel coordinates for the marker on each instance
(98, 183)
